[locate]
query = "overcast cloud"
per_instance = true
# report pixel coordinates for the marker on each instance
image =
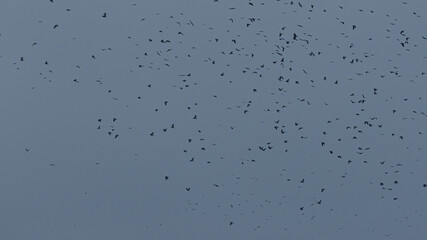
(213, 119)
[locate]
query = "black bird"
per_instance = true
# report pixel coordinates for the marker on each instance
(105, 15)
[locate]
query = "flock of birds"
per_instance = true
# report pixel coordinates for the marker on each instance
(275, 117)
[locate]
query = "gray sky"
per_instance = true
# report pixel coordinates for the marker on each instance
(271, 120)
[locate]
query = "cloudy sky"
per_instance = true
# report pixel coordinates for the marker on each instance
(213, 119)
